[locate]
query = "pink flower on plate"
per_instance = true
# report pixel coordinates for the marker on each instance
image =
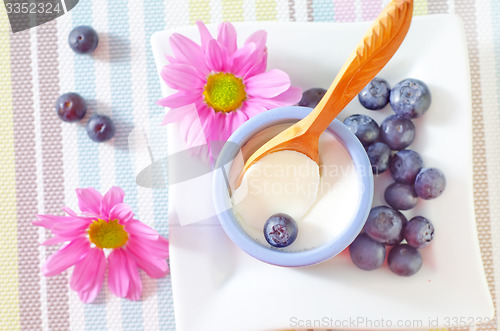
(104, 235)
(219, 86)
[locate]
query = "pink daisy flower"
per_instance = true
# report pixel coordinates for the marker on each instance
(219, 86)
(104, 235)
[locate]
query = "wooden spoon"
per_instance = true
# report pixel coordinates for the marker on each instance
(376, 48)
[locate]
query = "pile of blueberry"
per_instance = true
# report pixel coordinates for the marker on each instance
(71, 107)
(386, 148)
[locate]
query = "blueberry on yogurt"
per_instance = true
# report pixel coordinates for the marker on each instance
(280, 230)
(375, 95)
(410, 98)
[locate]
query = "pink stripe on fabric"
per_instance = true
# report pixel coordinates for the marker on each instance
(26, 193)
(53, 180)
(345, 11)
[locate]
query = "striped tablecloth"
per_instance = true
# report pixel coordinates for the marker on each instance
(43, 160)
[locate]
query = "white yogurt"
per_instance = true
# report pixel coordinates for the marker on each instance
(322, 199)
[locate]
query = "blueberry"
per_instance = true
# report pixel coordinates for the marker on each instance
(375, 95)
(100, 128)
(430, 183)
(400, 196)
(71, 107)
(385, 225)
(379, 155)
(83, 39)
(364, 127)
(280, 230)
(410, 98)
(404, 260)
(398, 133)
(366, 253)
(311, 97)
(405, 165)
(419, 232)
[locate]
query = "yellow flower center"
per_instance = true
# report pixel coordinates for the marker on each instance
(224, 92)
(109, 234)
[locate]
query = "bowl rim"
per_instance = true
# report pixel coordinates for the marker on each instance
(276, 256)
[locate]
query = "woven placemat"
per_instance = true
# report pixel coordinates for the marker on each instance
(44, 160)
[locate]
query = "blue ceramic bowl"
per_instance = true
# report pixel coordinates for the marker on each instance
(270, 254)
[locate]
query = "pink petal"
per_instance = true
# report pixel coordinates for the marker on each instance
(252, 109)
(221, 133)
(190, 128)
(188, 52)
(88, 275)
(69, 211)
(67, 256)
(182, 76)
(121, 212)
(179, 99)
(124, 280)
(48, 221)
(154, 267)
(195, 135)
(268, 84)
(227, 37)
(89, 200)
(113, 197)
(243, 59)
(138, 228)
(171, 59)
(235, 121)
(71, 225)
(258, 38)
(206, 117)
(215, 56)
(187, 113)
(118, 278)
(290, 97)
(135, 288)
(260, 65)
(153, 248)
(205, 35)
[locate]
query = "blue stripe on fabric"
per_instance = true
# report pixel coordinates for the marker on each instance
(154, 21)
(88, 153)
(122, 114)
(323, 10)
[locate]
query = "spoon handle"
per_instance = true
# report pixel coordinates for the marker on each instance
(376, 48)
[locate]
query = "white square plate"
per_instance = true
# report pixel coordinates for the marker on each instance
(216, 286)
